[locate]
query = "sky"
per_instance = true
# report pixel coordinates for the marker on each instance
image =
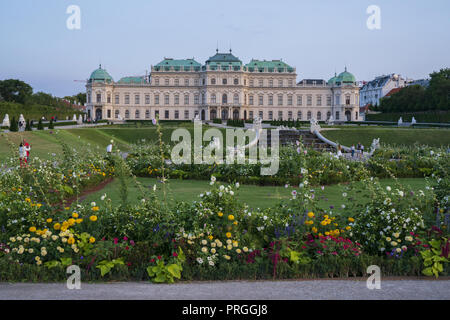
(128, 37)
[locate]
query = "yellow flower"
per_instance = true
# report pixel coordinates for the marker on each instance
(79, 221)
(324, 223)
(348, 228)
(95, 208)
(71, 221)
(91, 239)
(245, 249)
(314, 229)
(210, 237)
(27, 199)
(238, 251)
(228, 234)
(351, 219)
(38, 205)
(32, 229)
(220, 214)
(66, 208)
(231, 217)
(327, 233)
(235, 223)
(227, 257)
(93, 218)
(49, 220)
(56, 226)
(75, 215)
(310, 214)
(71, 241)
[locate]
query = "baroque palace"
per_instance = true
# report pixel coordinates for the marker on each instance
(223, 88)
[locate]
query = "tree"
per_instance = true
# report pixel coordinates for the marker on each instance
(28, 126)
(14, 127)
(13, 90)
(40, 125)
(438, 91)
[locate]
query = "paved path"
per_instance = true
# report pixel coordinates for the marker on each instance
(234, 290)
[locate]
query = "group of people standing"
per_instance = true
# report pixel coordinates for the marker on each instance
(359, 149)
(24, 153)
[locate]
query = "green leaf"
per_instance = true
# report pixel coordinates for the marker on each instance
(295, 256)
(51, 264)
(428, 272)
(66, 261)
(104, 269)
(174, 270)
(435, 244)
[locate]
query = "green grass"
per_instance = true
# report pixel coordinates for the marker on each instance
(254, 196)
(392, 136)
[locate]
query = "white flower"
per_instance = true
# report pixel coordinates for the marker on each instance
(211, 263)
(221, 188)
(344, 194)
(213, 179)
(300, 185)
(232, 192)
(286, 186)
(294, 193)
(154, 187)
(388, 188)
(343, 206)
(103, 197)
(200, 260)
(237, 184)
(92, 204)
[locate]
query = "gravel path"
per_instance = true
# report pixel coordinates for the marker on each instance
(234, 290)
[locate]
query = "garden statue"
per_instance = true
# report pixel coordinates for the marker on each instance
(400, 121)
(6, 122)
(413, 121)
(22, 123)
(374, 146)
(74, 117)
(330, 121)
(80, 119)
(314, 125)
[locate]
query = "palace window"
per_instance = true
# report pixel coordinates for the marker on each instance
(99, 97)
(156, 98)
(127, 99)
(186, 82)
(166, 114)
(196, 82)
(177, 82)
(177, 99)
(289, 100)
(88, 98)
(224, 81)
(347, 99)
(186, 114)
(166, 99)
(116, 114)
(338, 100)
(116, 99)
(186, 99)
(251, 83)
(147, 99)
(270, 100)
(250, 114)
(224, 98)
(260, 100)
(280, 115)
(156, 113)
(280, 99)
(270, 115)
(261, 82)
(309, 100)
(213, 81)
(177, 114)
(156, 81)
(319, 115)
(328, 100)
(236, 81)
(299, 115)
(289, 115)
(236, 98)
(166, 81)
(196, 99)
(280, 83)
(250, 100)
(271, 83)
(137, 114)
(147, 114)
(299, 100)
(136, 99)
(108, 113)
(337, 115)
(213, 98)
(127, 114)
(108, 99)
(308, 115)
(319, 100)
(261, 114)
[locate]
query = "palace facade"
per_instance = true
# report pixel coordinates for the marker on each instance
(222, 88)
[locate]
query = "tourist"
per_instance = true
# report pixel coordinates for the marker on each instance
(362, 150)
(109, 148)
(27, 148)
(22, 155)
(353, 150)
(339, 151)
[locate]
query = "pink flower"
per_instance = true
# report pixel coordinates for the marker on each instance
(334, 253)
(175, 254)
(125, 239)
(116, 240)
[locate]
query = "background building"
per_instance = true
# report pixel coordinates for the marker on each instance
(222, 88)
(374, 90)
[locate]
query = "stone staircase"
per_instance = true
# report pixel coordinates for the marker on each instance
(289, 137)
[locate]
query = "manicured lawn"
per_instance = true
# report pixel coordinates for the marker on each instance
(254, 196)
(393, 136)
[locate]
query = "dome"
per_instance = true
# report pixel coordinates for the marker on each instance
(346, 77)
(332, 81)
(100, 75)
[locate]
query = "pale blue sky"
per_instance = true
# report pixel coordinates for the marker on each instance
(317, 37)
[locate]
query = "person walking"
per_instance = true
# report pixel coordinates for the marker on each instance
(362, 151)
(22, 155)
(353, 150)
(27, 148)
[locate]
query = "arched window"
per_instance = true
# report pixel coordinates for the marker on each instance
(213, 81)
(213, 98)
(137, 114)
(236, 99)
(235, 114)
(213, 114)
(127, 114)
(224, 98)
(319, 115)
(299, 115)
(308, 115)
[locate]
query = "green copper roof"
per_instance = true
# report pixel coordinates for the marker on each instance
(268, 66)
(131, 80)
(346, 77)
(178, 65)
(224, 58)
(332, 81)
(100, 75)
